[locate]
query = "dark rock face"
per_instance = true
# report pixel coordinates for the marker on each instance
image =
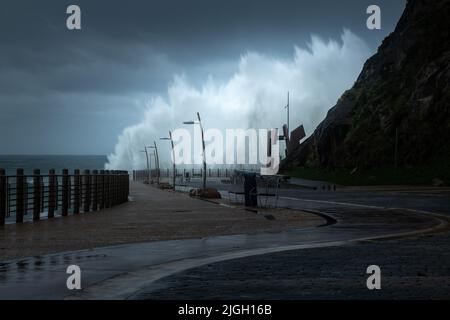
(403, 90)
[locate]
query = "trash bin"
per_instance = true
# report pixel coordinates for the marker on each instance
(251, 199)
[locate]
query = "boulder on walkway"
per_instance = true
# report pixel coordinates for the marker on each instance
(208, 193)
(165, 186)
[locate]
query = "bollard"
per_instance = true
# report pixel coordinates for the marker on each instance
(2, 197)
(51, 193)
(36, 194)
(250, 190)
(87, 190)
(76, 191)
(94, 190)
(65, 192)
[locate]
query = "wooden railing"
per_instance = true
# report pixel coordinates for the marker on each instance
(32, 197)
(142, 175)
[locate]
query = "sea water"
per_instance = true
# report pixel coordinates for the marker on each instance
(46, 162)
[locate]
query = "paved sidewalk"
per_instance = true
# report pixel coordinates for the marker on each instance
(151, 215)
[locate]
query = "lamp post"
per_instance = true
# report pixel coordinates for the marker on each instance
(287, 108)
(150, 155)
(148, 164)
(157, 159)
(199, 121)
(173, 154)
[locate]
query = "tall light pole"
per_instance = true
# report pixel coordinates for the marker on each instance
(157, 159)
(173, 155)
(287, 108)
(150, 155)
(199, 121)
(148, 164)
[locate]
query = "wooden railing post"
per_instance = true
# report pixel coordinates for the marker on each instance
(112, 184)
(116, 184)
(51, 193)
(94, 190)
(20, 205)
(110, 188)
(101, 184)
(36, 194)
(121, 186)
(76, 191)
(127, 193)
(2, 197)
(106, 189)
(116, 188)
(87, 190)
(65, 193)
(126, 186)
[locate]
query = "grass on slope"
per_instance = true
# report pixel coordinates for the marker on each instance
(390, 175)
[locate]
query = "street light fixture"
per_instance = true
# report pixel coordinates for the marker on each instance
(199, 122)
(173, 154)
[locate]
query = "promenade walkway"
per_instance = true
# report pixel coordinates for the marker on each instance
(150, 215)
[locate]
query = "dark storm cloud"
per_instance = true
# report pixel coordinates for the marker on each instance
(52, 78)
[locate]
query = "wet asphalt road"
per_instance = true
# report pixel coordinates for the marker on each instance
(429, 199)
(121, 271)
(415, 268)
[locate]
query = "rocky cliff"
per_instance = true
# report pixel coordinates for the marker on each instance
(403, 91)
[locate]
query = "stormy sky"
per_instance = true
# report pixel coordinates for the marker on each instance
(73, 92)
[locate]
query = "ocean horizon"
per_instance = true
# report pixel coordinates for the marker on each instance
(46, 162)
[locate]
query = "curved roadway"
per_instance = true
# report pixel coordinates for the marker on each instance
(118, 272)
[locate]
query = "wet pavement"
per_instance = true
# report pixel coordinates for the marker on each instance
(150, 215)
(118, 272)
(414, 268)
